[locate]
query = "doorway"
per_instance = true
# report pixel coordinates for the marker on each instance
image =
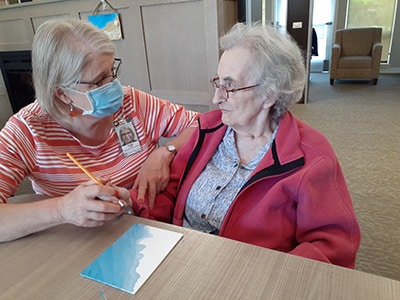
(323, 13)
(322, 24)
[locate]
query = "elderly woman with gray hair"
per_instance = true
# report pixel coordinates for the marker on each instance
(252, 171)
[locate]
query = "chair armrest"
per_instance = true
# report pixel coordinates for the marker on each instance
(376, 53)
(377, 47)
(336, 52)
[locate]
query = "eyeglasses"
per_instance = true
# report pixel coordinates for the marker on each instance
(217, 85)
(107, 79)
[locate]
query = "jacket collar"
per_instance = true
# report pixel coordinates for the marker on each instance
(285, 153)
(285, 148)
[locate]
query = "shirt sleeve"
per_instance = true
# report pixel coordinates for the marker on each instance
(16, 155)
(162, 118)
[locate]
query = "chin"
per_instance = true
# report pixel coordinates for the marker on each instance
(225, 119)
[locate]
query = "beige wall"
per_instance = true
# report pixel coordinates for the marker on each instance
(170, 47)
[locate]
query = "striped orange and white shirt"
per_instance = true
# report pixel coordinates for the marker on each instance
(33, 145)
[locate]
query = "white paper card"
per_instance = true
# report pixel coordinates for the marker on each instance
(131, 259)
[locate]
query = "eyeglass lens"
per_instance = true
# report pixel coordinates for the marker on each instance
(218, 86)
(109, 78)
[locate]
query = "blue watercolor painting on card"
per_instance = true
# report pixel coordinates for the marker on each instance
(131, 259)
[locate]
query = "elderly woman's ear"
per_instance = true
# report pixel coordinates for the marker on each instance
(268, 103)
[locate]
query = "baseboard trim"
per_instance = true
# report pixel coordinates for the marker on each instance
(389, 70)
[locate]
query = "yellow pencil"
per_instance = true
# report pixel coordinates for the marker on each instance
(84, 169)
(123, 205)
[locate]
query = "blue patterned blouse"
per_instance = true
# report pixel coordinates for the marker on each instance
(216, 187)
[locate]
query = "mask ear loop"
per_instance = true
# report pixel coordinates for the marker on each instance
(72, 108)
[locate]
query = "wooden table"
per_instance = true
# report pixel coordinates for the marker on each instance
(47, 265)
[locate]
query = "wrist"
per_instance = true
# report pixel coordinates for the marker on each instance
(168, 152)
(171, 149)
(59, 207)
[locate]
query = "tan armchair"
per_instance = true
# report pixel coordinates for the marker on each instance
(356, 54)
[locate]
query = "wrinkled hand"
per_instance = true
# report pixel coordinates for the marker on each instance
(83, 207)
(154, 175)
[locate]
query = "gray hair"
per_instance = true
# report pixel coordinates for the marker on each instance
(277, 64)
(61, 49)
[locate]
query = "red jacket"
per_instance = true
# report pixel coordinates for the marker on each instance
(296, 200)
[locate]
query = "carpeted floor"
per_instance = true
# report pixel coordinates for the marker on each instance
(362, 122)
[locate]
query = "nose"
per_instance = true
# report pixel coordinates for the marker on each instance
(218, 96)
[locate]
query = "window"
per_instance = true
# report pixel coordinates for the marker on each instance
(361, 13)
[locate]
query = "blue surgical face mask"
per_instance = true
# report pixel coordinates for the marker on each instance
(105, 100)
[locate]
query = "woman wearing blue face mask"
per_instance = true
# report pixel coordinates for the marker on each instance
(79, 108)
(103, 100)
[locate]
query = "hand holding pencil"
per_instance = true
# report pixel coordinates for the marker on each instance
(127, 209)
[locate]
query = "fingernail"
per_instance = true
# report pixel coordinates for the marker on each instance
(141, 201)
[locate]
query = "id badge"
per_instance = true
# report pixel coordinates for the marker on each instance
(127, 136)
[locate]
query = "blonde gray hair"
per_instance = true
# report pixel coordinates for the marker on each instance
(61, 49)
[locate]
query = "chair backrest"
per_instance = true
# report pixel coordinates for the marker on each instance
(358, 41)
